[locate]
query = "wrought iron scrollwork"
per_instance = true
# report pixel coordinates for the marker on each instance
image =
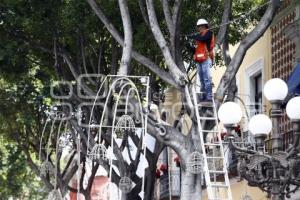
(264, 170)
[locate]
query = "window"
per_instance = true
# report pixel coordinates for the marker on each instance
(253, 87)
(258, 93)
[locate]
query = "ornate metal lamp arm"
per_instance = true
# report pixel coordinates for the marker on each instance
(295, 148)
(239, 149)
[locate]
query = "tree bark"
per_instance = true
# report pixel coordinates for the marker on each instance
(127, 47)
(137, 56)
(190, 186)
(179, 77)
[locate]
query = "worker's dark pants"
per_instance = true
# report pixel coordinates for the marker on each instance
(205, 79)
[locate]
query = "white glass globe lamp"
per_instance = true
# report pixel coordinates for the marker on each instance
(275, 89)
(293, 109)
(260, 124)
(230, 113)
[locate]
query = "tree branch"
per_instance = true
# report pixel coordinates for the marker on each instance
(168, 135)
(127, 47)
(137, 56)
(69, 163)
(176, 11)
(177, 23)
(225, 50)
(252, 37)
(35, 168)
(114, 57)
(232, 89)
(83, 57)
(173, 23)
(225, 19)
(179, 77)
(144, 11)
(168, 17)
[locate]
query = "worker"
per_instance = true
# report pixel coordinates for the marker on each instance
(203, 56)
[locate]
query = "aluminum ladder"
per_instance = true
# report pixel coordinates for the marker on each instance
(215, 168)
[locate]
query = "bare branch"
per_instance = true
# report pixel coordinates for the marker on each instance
(127, 47)
(137, 56)
(99, 58)
(225, 19)
(252, 37)
(166, 9)
(225, 50)
(68, 163)
(67, 58)
(178, 76)
(92, 177)
(176, 11)
(154, 68)
(114, 57)
(35, 168)
(173, 23)
(144, 11)
(177, 45)
(84, 58)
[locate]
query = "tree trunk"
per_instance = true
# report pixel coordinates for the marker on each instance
(150, 186)
(190, 186)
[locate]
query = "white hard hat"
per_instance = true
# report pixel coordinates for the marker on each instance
(202, 22)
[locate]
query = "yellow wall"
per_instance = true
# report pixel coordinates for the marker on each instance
(261, 50)
(239, 189)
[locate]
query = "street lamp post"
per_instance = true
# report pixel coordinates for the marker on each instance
(276, 90)
(276, 173)
(260, 126)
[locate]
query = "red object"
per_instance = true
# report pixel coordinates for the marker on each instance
(177, 161)
(223, 135)
(163, 168)
(237, 128)
(157, 174)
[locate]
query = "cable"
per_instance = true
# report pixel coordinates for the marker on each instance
(243, 15)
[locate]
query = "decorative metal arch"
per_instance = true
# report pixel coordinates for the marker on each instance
(46, 166)
(125, 122)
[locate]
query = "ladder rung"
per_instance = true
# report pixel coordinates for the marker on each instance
(216, 172)
(208, 118)
(215, 157)
(210, 131)
(218, 185)
(212, 144)
(208, 105)
(218, 198)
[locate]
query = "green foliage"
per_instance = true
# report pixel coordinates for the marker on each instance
(28, 30)
(16, 178)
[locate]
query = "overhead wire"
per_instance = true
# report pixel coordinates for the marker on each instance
(242, 15)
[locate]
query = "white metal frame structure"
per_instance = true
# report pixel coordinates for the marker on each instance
(46, 166)
(126, 82)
